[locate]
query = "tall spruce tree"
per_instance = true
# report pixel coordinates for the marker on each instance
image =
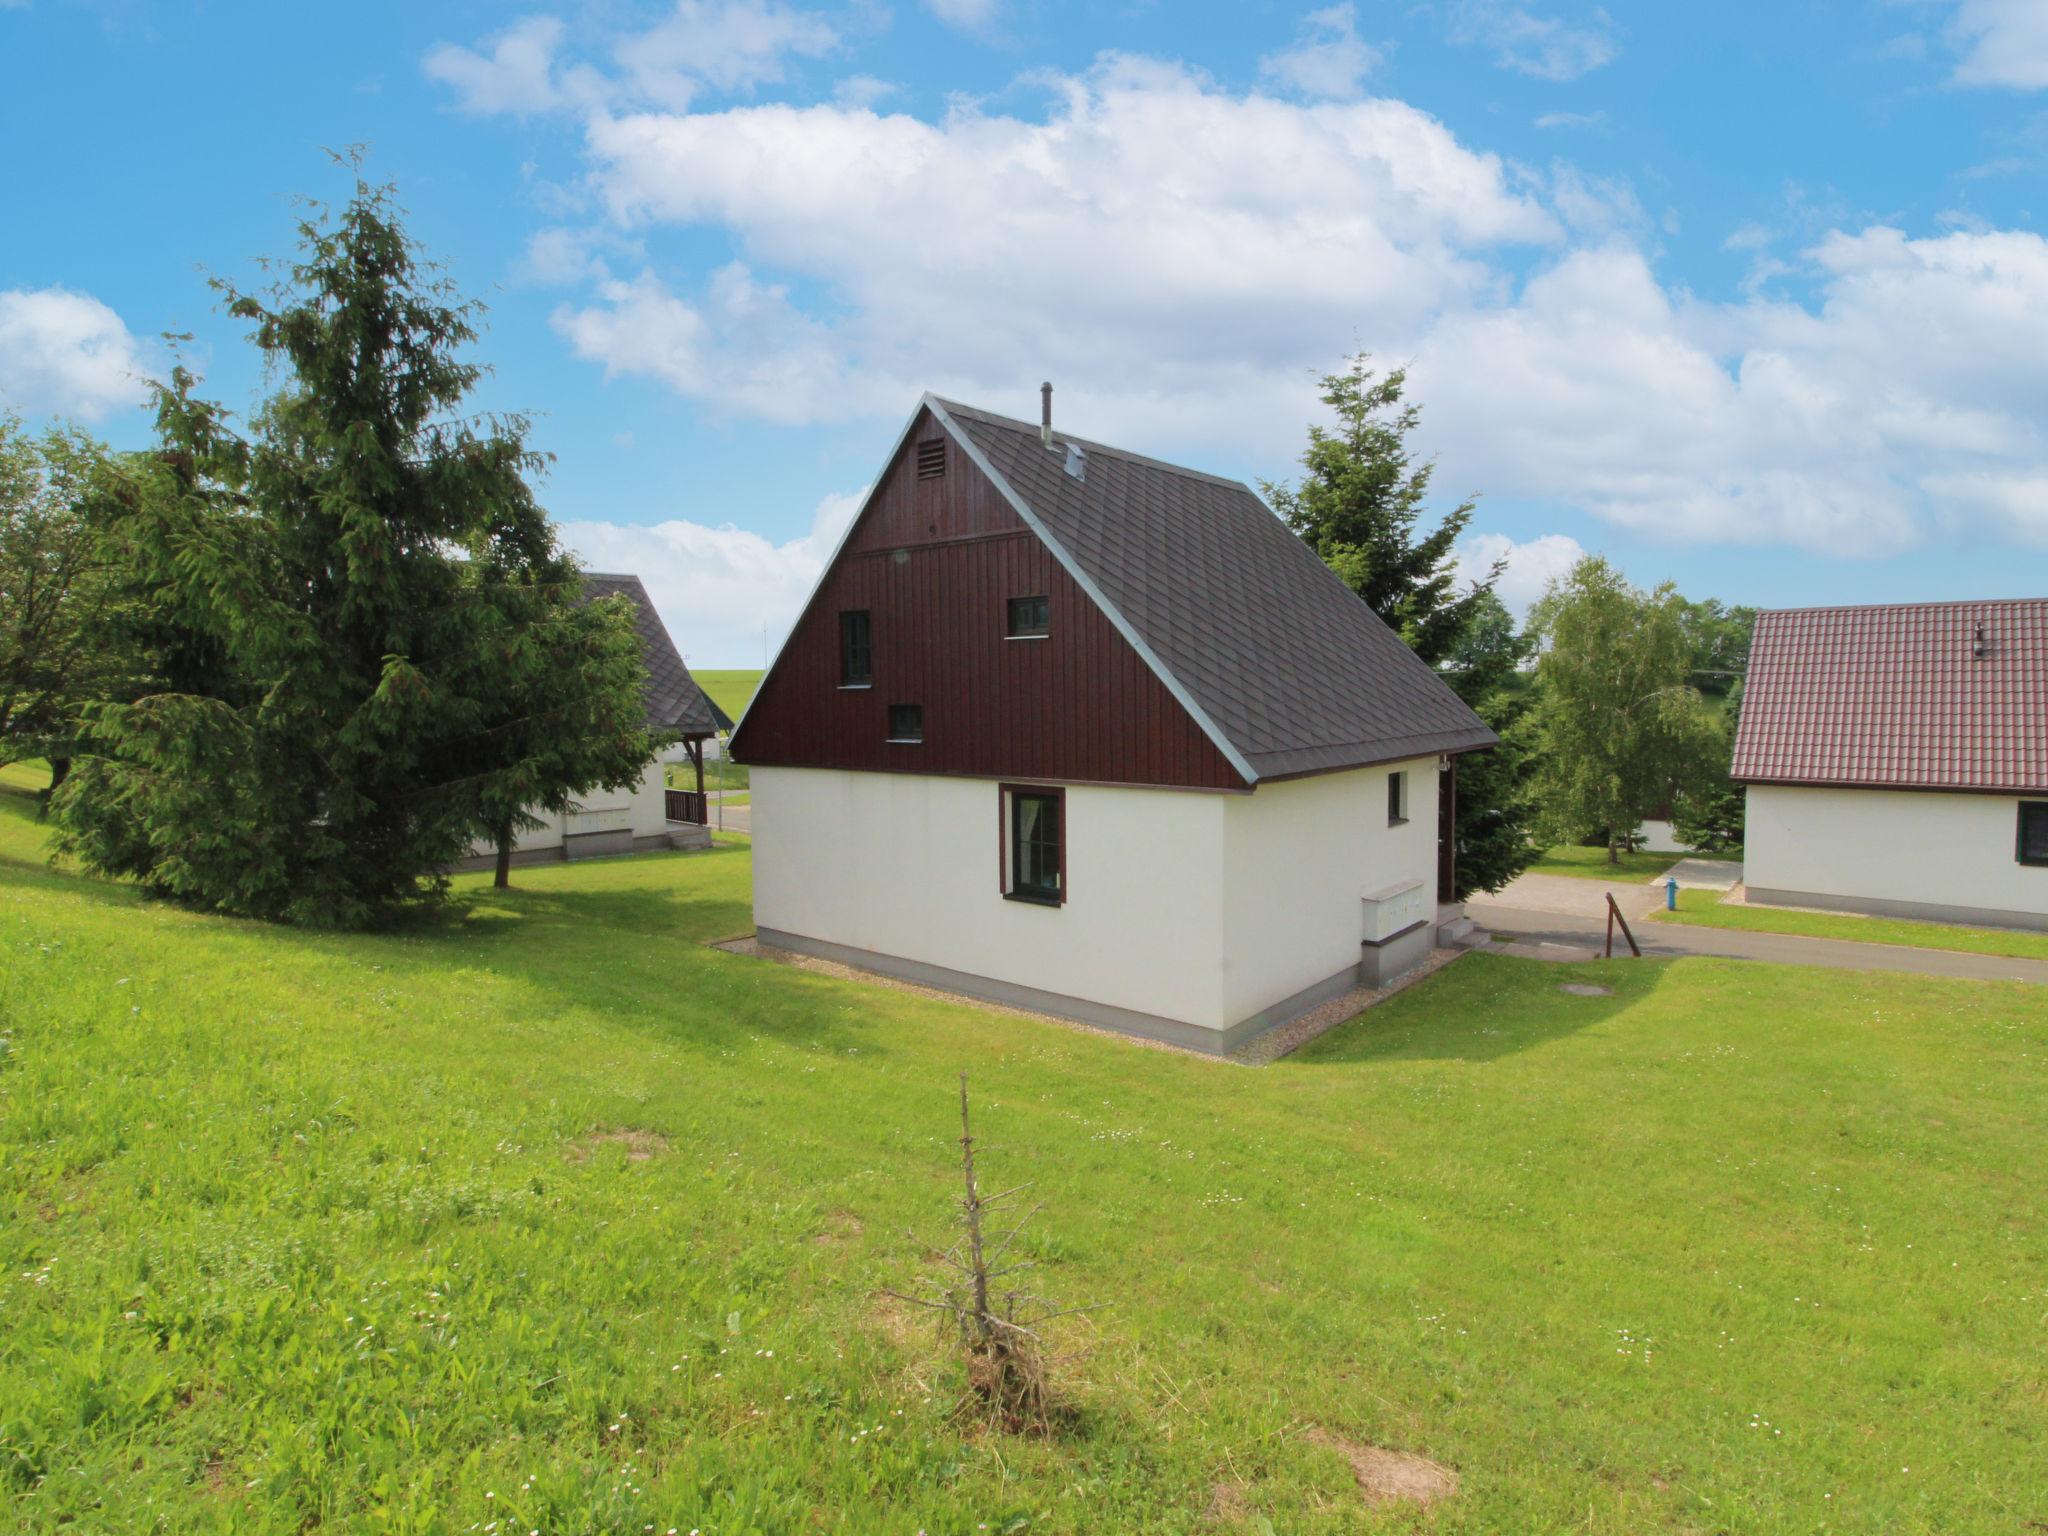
(1360, 506)
(1495, 819)
(356, 611)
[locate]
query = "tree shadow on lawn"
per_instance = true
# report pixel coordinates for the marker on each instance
(1485, 1007)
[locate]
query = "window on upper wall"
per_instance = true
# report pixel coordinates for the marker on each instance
(856, 649)
(1030, 618)
(906, 723)
(2033, 847)
(1037, 853)
(1397, 799)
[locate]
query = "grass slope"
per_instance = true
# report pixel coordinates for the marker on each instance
(1592, 864)
(305, 1230)
(731, 690)
(1705, 909)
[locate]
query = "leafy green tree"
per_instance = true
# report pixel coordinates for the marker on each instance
(56, 592)
(1718, 637)
(1360, 506)
(354, 612)
(1495, 819)
(1622, 729)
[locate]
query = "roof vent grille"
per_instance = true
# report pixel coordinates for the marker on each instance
(931, 458)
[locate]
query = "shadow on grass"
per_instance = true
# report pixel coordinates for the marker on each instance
(1485, 1007)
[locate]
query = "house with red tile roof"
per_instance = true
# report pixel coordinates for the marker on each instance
(1896, 760)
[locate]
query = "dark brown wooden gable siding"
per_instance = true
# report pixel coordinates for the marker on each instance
(935, 563)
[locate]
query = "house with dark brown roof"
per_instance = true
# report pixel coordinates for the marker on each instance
(1073, 729)
(647, 814)
(1896, 760)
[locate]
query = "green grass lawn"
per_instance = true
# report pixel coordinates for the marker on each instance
(731, 689)
(543, 1216)
(1706, 909)
(1592, 864)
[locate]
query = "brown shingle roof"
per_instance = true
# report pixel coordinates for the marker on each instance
(674, 701)
(1287, 664)
(1894, 697)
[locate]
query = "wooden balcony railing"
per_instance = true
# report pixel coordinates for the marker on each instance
(686, 805)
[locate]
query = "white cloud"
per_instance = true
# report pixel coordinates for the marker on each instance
(721, 45)
(1183, 263)
(966, 15)
(862, 91)
(2003, 43)
(66, 353)
(1541, 46)
(718, 589)
(1571, 119)
(517, 74)
(1531, 565)
(1186, 252)
(1757, 422)
(742, 348)
(1329, 59)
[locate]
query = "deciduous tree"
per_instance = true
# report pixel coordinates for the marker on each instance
(1622, 728)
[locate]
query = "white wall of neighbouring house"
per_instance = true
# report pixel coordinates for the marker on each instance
(1302, 855)
(1920, 850)
(639, 807)
(908, 866)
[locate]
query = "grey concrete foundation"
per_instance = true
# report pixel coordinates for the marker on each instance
(1394, 956)
(1922, 911)
(1125, 1021)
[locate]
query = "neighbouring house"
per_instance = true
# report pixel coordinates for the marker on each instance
(1896, 761)
(647, 814)
(1085, 733)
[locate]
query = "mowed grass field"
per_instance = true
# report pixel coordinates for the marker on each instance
(1706, 909)
(545, 1217)
(731, 690)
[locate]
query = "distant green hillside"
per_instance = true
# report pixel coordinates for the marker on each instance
(729, 690)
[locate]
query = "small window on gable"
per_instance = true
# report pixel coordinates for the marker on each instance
(2033, 847)
(1030, 618)
(906, 723)
(1036, 863)
(1397, 799)
(931, 458)
(856, 649)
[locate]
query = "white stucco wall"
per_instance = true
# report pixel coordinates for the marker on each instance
(1203, 908)
(640, 808)
(907, 866)
(1299, 856)
(1925, 849)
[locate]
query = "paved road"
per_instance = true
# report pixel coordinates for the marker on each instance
(1533, 926)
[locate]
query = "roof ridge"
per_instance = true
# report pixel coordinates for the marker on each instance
(996, 419)
(1951, 602)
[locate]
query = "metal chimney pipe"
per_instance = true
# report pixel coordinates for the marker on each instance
(1045, 413)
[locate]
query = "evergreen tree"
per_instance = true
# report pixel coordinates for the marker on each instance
(1360, 506)
(355, 613)
(1622, 728)
(1495, 816)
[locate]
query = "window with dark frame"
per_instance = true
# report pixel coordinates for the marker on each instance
(1030, 618)
(906, 722)
(1035, 861)
(2033, 837)
(856, 649)
(1397, 799)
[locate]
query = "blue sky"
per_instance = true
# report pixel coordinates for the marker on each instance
(1752, 297)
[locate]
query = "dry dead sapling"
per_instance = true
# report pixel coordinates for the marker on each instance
(999, 1325)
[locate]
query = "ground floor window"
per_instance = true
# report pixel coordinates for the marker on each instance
(2034, 831)
(1035, 847)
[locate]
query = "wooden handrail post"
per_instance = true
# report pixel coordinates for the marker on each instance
(1614, 916)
